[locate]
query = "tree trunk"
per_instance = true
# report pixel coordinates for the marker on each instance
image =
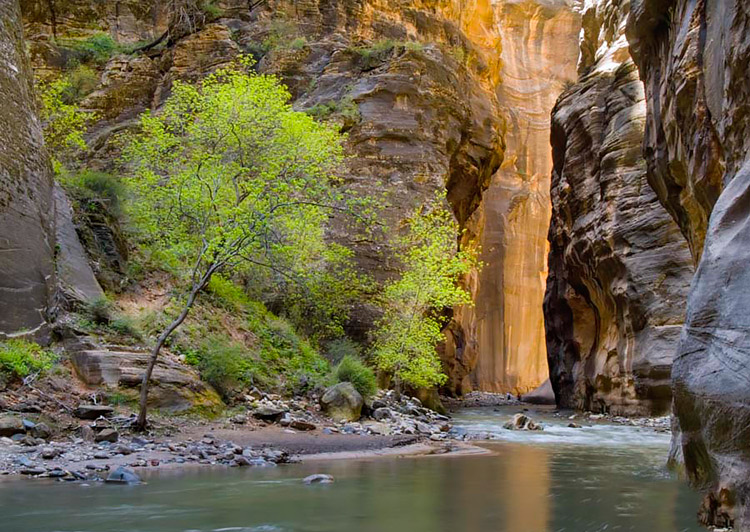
(141, 422)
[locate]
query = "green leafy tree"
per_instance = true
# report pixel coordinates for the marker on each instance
(227, 175)
(407, 335)
(64, 123)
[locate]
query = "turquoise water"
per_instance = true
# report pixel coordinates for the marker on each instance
(538, 484)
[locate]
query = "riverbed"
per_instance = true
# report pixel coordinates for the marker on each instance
(595, 478)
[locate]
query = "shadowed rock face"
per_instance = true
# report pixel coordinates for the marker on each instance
(619, 267)
(694, 59)
(26, 207)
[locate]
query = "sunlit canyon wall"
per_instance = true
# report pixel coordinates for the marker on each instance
(498, 345)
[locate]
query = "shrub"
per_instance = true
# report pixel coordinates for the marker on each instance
(337, 349)
(81, 82)
(96, 49)
(99, 310)
(91, 185)
(19, 358)
(352, 369)
(125, 326)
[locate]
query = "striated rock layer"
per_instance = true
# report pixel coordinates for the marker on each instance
(27, 240)
(694, 58)
(619, 267)
(412, 83)
(504, 348)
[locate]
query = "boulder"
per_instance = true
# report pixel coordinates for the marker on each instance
(542, 395)
(522, 422)
(10, 426)
(41, 430)
(109, 435)
(318, 478)
(122, 475)
(342, 402)
(92, 411)
(269, 413)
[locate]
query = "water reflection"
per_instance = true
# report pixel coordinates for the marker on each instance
(521, 487)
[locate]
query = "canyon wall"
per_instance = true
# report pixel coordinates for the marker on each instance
(412, 84)
(619, 267)
(694, 58)
(505, 351)
(27, 280)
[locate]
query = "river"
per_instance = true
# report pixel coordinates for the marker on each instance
(602, 477)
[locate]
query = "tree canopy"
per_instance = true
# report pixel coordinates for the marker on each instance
(411, 327)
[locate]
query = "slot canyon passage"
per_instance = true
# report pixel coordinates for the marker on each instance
(475, 264)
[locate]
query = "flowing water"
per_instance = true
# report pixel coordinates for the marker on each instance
(598, 478)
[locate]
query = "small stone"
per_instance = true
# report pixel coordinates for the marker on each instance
(101, 455)
(269, 413)
(300, 424)
(574, 426)
(522, 422)
(382, 413)
(318, 478)
(121, 448)
(33, 471)
(48, 453)
(41, 430)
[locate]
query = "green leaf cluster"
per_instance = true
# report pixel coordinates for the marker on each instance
(411, 328)
(64, 123)
(354, 370)
(19, 358)
(228, 174)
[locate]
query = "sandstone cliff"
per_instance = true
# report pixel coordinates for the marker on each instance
(694, 59)
(619, 267)
(413, 84)
(27, 242)
(502, 336)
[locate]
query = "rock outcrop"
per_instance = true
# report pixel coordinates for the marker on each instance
(175, 387)
(498, 345)
(619, 267)
(694, 58)
(27, 240)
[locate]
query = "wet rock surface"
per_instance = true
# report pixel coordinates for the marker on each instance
(619, 267)
(694, 59)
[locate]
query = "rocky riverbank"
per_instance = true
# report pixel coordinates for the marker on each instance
(92, 440)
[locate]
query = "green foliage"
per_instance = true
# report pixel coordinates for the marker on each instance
(228, 173)
(283, 34)
(210, 9)
(19, 358)
(96, 49)
(80, 82)
(407, 335)
(125, 326)
(345, 109)
(276, 359)
(352, 369)
(378, 51)
(99, 186)
(336, 350)
(98, 310)
(64, 123)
